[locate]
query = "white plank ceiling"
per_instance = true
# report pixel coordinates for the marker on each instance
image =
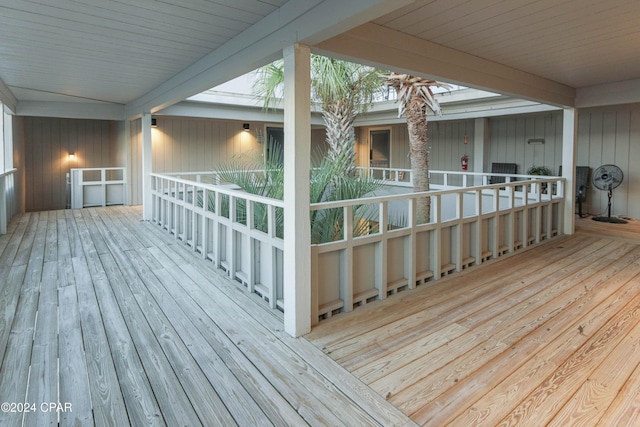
(575, 42)
(112, 51)
(120, 52)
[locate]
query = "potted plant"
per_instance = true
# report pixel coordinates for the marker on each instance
(541, 171)
(538, 170)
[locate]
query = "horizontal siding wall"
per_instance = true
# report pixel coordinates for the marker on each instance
(48, 142)
(612, 136)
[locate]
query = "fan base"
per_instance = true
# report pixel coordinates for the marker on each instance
(610, 219)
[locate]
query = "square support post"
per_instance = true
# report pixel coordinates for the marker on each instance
(125, 146)
(480, 146)
(569, 148)
(147, 167)
(297, 165)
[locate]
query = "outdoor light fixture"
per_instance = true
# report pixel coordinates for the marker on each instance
(246, 126)
(154, 123)
(72, 156)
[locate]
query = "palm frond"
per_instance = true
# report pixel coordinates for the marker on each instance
(268, 84)
(265, 177)
(410, 87)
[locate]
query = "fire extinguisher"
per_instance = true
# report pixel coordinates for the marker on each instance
(464, 162)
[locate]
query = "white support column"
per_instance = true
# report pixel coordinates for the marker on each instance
(3, 139)
(480, 146)
(147, 167)
(569, 148)
(8, 140)
(125, 146)
(297, 164)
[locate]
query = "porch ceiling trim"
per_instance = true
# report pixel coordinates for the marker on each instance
(390, 49)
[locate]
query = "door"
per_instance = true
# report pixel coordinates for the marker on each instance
(275, 144)
(379, 154)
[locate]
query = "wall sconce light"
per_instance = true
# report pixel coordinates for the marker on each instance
(246, 127)
(72, 156)
(536, 141)
(154, 123)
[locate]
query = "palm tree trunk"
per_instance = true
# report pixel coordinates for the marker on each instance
(419, 153)
(341, 136)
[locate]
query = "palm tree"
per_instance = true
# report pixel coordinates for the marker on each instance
(343, 89)
(415, 98)
(265, 177)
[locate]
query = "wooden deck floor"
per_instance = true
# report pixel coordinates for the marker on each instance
(546, 336)
(121, 325)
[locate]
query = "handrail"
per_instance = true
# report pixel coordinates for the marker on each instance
(8, 172)
(375, 199)
(224, 189)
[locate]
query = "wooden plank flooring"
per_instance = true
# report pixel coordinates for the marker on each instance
(545, 336)
(110, 315)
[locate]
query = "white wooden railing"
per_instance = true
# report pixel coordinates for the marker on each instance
(98, 187)
(8, 204)
(237, 231)
(469, 225)
(391, 176)
(441, 179)
(395, 177)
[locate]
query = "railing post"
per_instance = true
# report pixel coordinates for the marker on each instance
(272, 259)
(103, 186)
(436, 254)
(381, 279)
(347, 260)
(477, 247)
(460, 228)
(232, 245)
(251, 273)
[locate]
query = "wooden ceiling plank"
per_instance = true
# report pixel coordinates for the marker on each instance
(55, 17)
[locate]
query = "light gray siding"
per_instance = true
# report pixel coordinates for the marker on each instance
(612, 136)
(48, 142)
(509, 138)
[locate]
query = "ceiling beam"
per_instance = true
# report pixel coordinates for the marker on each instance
(7, 97)
(305, 21)
(71, 110)
(625, 92)
(382, 47)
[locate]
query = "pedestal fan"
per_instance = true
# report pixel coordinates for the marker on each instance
(606, 178)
